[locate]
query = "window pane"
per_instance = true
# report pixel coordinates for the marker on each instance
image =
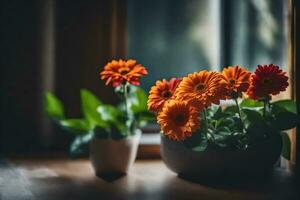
(173, 38)
(259, 32)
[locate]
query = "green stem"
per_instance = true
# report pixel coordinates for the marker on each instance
(239, 111)
(208, 136)
(125, 87)
(206, 123)
(265, 109)
(205, 117)
(125, 98)
(268, 106)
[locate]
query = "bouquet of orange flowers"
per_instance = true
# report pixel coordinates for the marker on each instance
(188, 109)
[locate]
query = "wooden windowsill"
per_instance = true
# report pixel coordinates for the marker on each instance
(61, 179)
(149, 146)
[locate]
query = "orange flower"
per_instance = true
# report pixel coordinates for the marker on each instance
(202, 87)
(237, 79)
(267, 80)
(118, 72)
(178, 119)
(162, 92)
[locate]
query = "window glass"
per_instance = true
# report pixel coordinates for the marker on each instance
(173, 38)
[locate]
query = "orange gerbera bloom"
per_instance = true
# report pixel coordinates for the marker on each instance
(162, 92)
(237, 79)
(267, 80)
(202, 87)
(178, 119)
(118, 72)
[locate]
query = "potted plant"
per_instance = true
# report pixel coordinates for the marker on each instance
(111, 132)
(241, 136)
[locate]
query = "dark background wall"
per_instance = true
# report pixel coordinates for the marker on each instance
(19, 70)
(58, 46)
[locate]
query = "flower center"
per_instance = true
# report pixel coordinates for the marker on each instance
(123, 70)
(200, 87)
(267, 81)
(180, 119)
(232, 81)
(166, 94)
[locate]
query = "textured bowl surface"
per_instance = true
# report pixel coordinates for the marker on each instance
(214, 161)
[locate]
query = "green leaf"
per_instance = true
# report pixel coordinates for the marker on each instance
(285, 120)
(195, 140)
(117, 133)
(286, 146)
(223, 131)
(288, 105)
(53, 106)
(231, 109)
(201, 147)
(252, 116)
(211, 111)
(138, 100)
(119, 90)
(109, 132)
(144, 117)
(137, 103)
(80, 145)
(80, 126)
(101, 133)
(113, 117)
(240, 140)
(219, 114)
(225, 122)
(108, 113)
(90, 103)
(248, 103)
(222, 136)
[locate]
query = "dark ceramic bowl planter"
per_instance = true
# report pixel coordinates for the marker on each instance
(113, 157)
(219, 162)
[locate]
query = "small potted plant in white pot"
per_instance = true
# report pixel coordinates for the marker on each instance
(111, 132)
(204, 139)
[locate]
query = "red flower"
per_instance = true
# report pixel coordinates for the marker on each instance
(162, 92)
(267, 80)
(118, 72)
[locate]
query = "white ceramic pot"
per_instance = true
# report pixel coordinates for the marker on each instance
(113, 156)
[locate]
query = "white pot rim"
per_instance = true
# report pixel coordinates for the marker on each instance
(138, 133)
